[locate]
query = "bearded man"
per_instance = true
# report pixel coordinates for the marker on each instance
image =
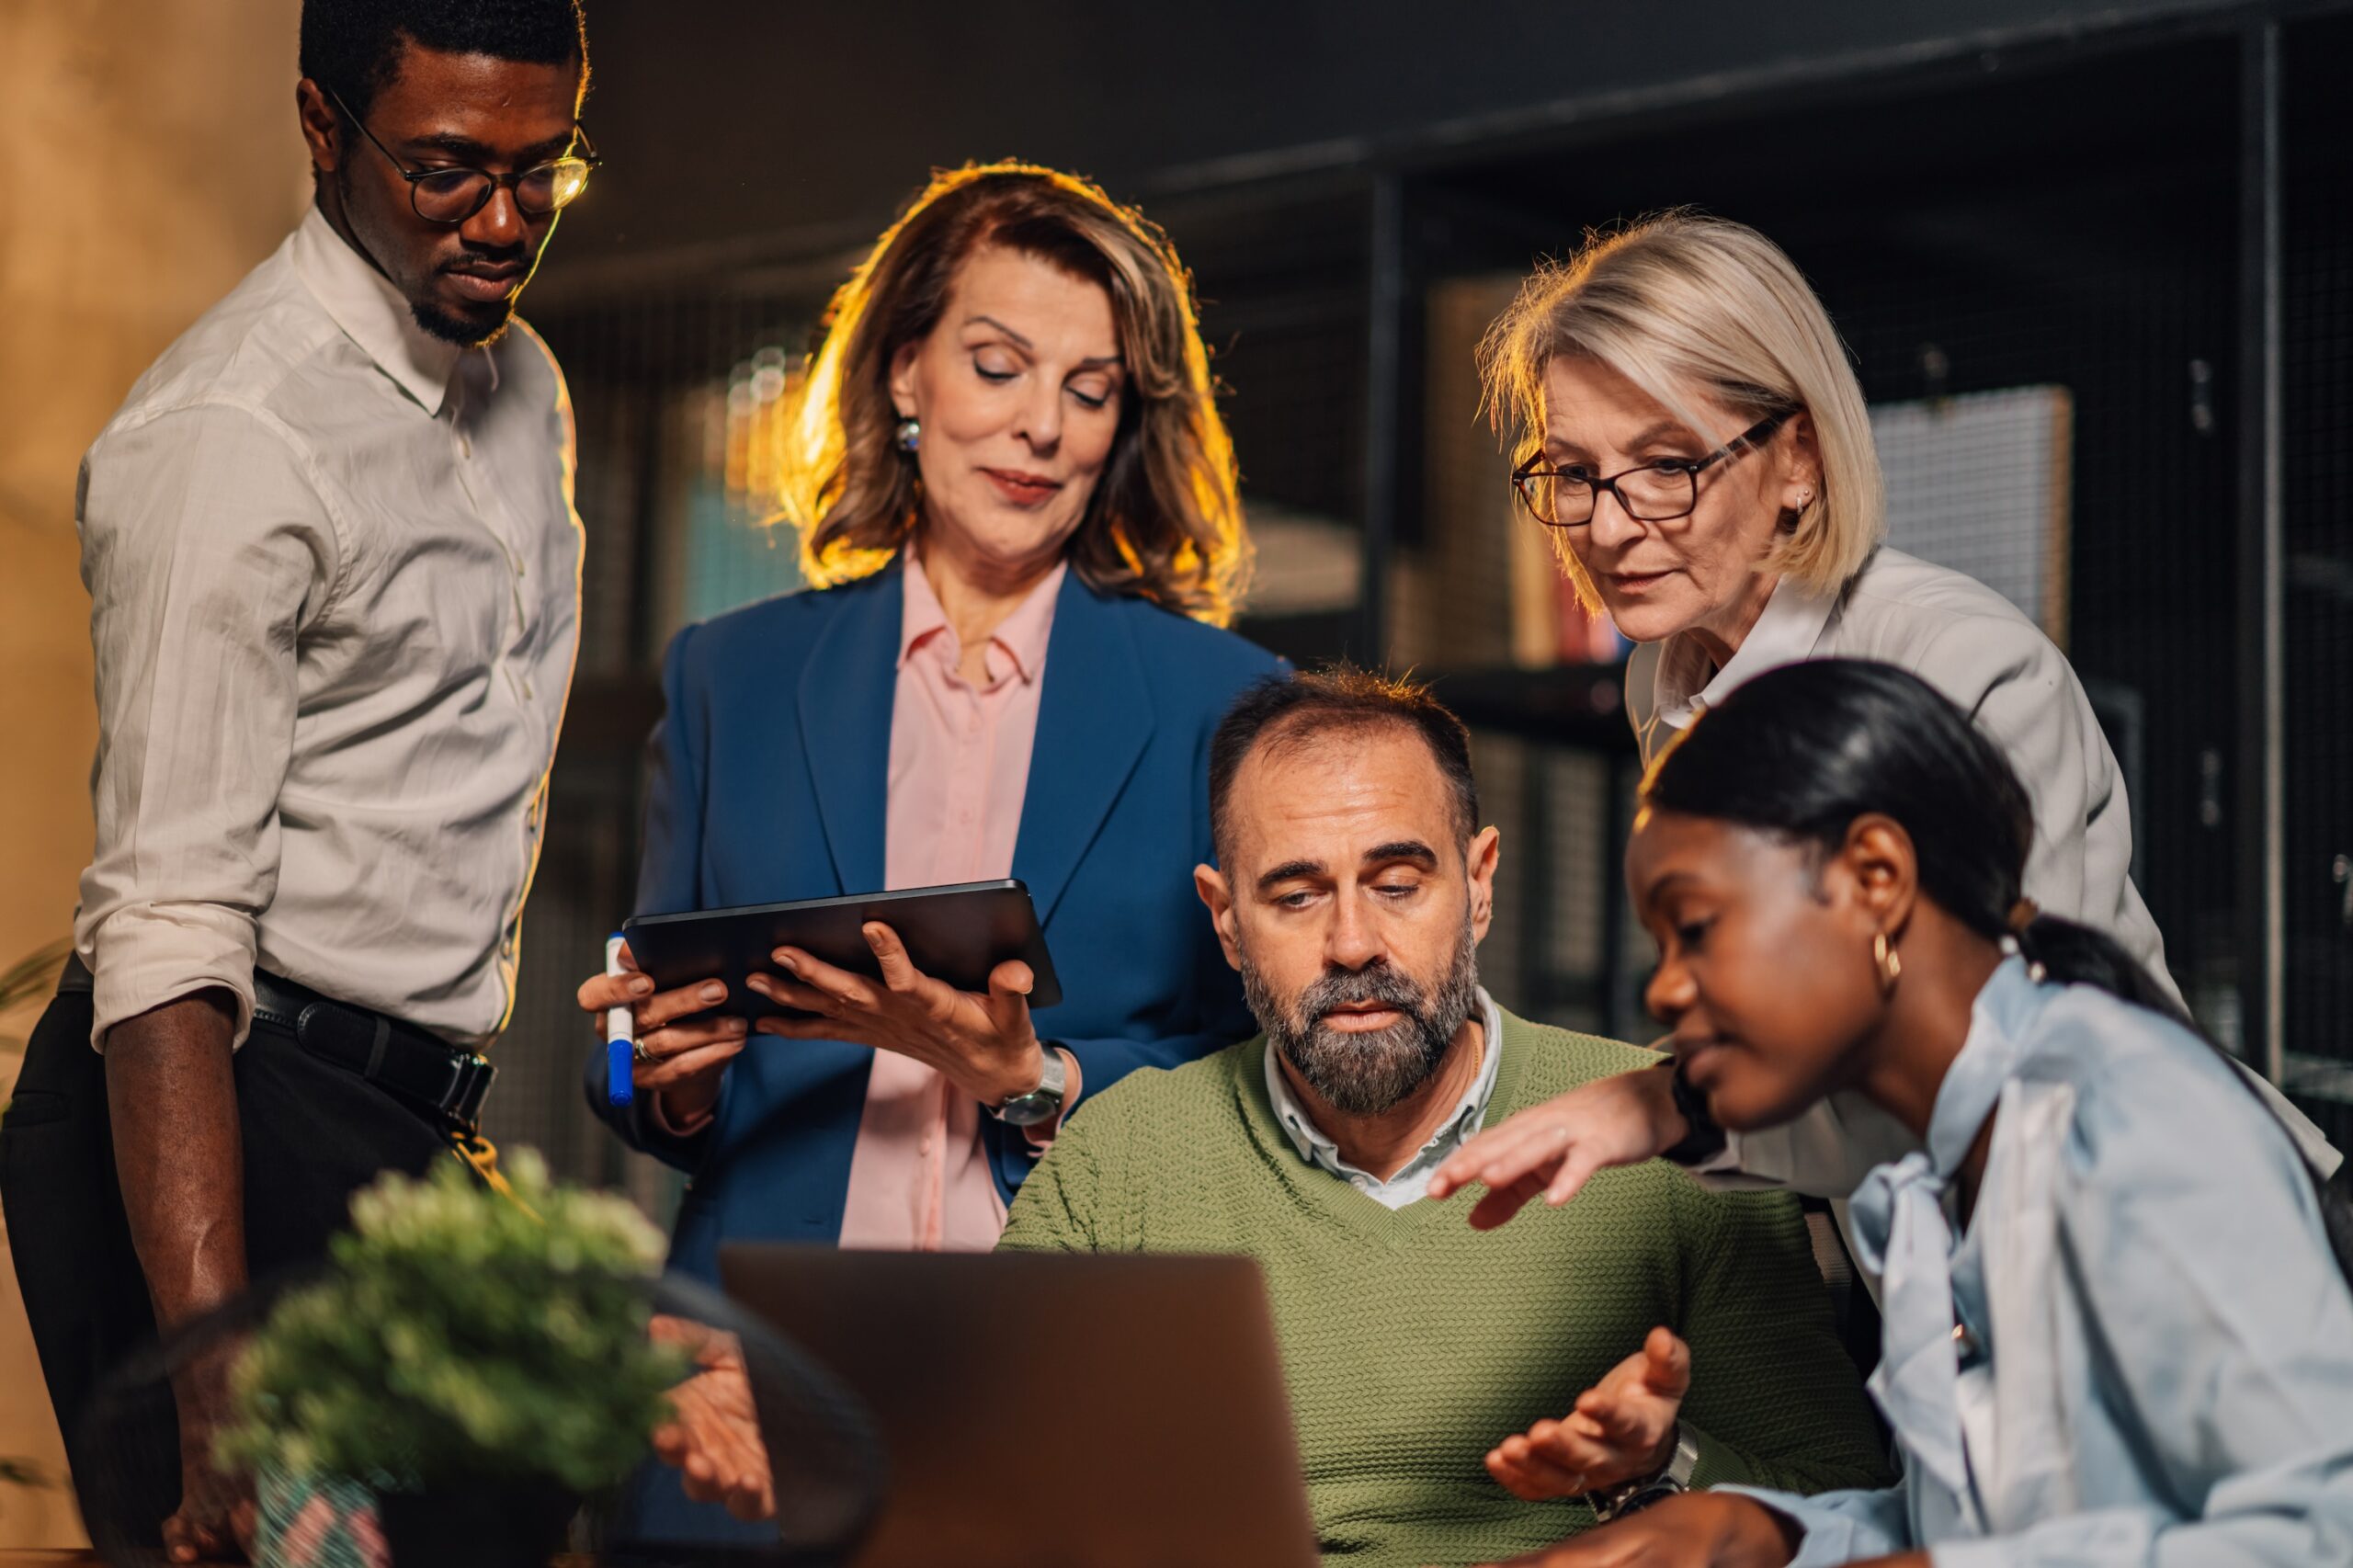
(1353, 887)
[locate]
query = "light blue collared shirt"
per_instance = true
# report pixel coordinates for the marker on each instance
(1411, 1183)
(2153, 1358)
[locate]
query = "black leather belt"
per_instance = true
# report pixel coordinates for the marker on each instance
(404, 1062)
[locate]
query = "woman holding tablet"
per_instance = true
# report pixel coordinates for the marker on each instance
(1017, 504)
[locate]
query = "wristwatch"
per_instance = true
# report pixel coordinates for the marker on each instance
(1041, 1104)
(1702, 1139)
(1633, 1496)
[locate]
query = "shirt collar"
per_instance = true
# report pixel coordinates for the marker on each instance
(372, 313)
(1470, 1112)
(1785, 633)
(1023, 635)
(2000, 1021)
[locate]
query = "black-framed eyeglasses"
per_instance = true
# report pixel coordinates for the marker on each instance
(451, 196)
(1656, 492)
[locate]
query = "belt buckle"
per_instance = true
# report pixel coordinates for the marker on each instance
(470, 1079)
(473, 1087)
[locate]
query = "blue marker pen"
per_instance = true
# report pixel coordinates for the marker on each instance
(620, 1045)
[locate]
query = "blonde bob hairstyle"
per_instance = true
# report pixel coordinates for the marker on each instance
(1164, 522)
(1677, 303)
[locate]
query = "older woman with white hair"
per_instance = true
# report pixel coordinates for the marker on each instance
(1693, 440)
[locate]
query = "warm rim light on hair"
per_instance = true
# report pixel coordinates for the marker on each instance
(1680, 303)
(1165, 521)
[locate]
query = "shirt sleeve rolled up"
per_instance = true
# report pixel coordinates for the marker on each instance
(206, 549)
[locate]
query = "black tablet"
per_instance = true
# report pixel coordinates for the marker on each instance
(957, 934)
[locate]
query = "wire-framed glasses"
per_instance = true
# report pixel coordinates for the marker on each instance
(452, 196)
(1655, 493)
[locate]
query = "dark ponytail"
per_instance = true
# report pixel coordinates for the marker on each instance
(2077, 955)
(1804, 750)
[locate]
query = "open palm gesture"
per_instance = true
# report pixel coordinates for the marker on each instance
(1621, 1429)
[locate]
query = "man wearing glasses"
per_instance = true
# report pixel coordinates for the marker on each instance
(334, 572)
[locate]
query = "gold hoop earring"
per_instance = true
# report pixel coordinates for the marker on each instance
(1889, 961)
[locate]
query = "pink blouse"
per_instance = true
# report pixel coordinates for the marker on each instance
(960, 768)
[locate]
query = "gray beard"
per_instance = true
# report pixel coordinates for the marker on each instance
(1366, 1074)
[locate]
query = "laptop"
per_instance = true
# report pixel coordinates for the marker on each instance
(1121, 1410)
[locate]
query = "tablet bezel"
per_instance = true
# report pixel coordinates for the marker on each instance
(958, 933)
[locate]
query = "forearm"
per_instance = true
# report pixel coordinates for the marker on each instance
(1825, 1152)
(171, 1097)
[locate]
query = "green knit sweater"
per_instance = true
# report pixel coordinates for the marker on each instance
(1413, 1344)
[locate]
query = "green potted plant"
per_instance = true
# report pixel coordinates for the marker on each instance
(478, 1360)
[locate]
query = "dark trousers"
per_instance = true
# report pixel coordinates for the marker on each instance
(312, 1134)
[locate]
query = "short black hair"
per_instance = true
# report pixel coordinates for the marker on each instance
(1342, 698)
(353, 46)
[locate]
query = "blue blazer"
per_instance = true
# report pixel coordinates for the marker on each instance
(769, 783)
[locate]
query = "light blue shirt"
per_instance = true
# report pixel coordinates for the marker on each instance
(2153, 1358)
(1410, 1182)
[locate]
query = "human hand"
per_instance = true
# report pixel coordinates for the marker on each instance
(681, 1061)
(713, 1441)
(1621, 1429)
(216, 1518)
(984, 1044)
(1555, 1148)
(1698, 1529)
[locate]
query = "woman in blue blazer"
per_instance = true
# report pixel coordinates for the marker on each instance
(1013, 401)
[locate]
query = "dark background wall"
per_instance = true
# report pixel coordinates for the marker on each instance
(1988, 193)
(728, 120)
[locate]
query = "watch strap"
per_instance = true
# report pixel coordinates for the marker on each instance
(1633, 1496)
(1702, 1139)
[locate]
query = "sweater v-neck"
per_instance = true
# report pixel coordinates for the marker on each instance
(1335, 1196)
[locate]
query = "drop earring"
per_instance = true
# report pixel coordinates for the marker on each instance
(1889, 962)
(909, 436)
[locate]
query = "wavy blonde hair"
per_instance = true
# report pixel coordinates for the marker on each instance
(1678, 302)
(1164, 522)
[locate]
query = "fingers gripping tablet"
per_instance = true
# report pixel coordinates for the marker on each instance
(957, 934)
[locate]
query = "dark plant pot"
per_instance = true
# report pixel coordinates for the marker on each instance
(514, 1524)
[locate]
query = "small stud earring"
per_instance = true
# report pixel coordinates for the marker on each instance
(910, 434)
(1889, 961)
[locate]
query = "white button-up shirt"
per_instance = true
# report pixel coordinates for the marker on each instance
(334, 584)
(1411, 1182)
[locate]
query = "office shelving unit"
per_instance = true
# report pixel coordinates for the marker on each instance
(2146, 214)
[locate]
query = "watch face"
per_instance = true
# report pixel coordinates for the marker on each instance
(1042, 1103)
(1028, 1110)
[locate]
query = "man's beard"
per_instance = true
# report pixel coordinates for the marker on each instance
(458, 330)
(1368, 1073)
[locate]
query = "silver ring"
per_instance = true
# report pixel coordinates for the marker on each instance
(638, 1053)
